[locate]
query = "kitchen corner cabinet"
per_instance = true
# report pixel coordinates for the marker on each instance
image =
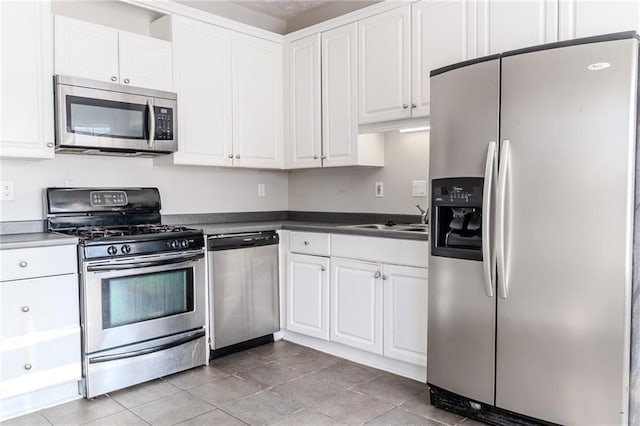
(229, 96)
(87, 50)
(322, 106)
(26, 101)
(39, 320)
(384, 66)
(308, 295)
(504, 25)
(303, 102)
(584, 18)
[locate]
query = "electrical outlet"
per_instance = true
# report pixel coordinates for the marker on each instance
(261, 190)
(419, 188)
(6, 190)
(379, 189)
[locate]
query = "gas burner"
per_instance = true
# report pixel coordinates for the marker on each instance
(155, 229)
(97, 232)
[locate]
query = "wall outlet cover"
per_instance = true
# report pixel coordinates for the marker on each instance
(379, 189)
(261, 190)
(419, 188)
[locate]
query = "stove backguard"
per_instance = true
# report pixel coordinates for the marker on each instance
(456, 222)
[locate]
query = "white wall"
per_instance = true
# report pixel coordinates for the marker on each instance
(352, 189)
(183, 189)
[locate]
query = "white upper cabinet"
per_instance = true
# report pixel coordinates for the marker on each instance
(145, 61)
(87, 50)
(202, 72)
(439, 37)
(26, 85)
(257, 102)
(582, 18)
(303, 102)
(384, 64)
(508, 25)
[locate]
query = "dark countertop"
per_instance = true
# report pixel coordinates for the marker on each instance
(294, 225)
(34, 239)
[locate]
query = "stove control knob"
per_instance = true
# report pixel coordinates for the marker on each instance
(184, 243)
(174, 244)
(126, 249)
(112, 250)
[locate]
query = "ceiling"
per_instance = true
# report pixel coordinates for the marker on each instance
(282, 9)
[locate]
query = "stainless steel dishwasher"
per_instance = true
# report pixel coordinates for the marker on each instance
(244, 297)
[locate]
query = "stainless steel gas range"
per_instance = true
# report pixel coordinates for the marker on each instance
(142, 285)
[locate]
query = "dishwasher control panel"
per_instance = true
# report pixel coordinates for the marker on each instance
(241, 240)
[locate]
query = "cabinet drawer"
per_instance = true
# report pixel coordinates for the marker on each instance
(38, 304)
(383, 250)
(34, 262)
(40, 365)
(309, 243)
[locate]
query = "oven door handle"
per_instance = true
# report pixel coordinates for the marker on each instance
(132, 354)
(138, 265)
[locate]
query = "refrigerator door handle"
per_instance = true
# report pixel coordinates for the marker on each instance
(487, 255)
(500, 219)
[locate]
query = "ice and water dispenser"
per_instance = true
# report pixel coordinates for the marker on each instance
(456, 218)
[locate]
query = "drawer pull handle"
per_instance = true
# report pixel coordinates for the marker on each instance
(323, 269)
(23, 264)
(384, 277)
(377, 275)
(27, 366)
(306, 243)
(25, 309)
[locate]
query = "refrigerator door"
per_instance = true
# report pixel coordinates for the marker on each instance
(461, 330)
(562, 349)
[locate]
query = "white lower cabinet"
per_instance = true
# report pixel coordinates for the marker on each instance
(308, 295)
(40, 359)
(405, 313)
(356, 304)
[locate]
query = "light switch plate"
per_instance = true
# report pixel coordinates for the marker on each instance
(419, 188)
(6, 190)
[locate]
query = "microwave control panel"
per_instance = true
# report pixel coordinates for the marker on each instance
(164, 123)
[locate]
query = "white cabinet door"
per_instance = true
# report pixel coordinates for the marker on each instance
(303, 102)
(26, 94)
(145, 62)
(308, 295)
(508, 25)
(405, 314)
(86, 50)
(356, 304)
(583, 18)
(339, 96)
(440, 36)
(257, 102)
(384, 64)
(202, 74)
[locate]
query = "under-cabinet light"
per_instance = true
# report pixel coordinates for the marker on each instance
(414, 129)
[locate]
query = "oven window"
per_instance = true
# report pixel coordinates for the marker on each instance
(137, 298)
(98, 117)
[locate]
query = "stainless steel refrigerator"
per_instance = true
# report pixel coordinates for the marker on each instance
(532, 171)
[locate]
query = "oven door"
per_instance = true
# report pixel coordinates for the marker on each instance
(103, 119)
(134, 299)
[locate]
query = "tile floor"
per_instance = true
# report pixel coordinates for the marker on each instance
(275, 384)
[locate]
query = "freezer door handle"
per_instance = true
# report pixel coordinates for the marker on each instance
(487, 254)
(501, 253)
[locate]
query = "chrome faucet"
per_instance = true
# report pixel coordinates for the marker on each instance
(423, 214)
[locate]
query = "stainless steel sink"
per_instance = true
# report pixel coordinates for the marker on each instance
(399, 228)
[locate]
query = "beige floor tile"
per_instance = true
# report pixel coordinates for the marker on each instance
(347, 373)
(125, 418)
(213, 418)
(196, 376)
(398, 416)
(308, 390)
(307, 417)
(82, 411)
(392, 388)
(172, 409)
(146, 392)
(225, 390)
(269, 375)
(262, 408)
(353, 408)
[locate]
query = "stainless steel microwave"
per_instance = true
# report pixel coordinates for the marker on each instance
(94, 117)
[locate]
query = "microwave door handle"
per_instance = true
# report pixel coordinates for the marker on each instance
(152, 122)
(138, 265)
